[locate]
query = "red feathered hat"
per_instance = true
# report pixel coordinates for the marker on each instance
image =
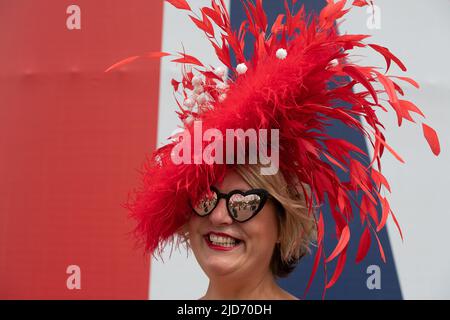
(298, 81)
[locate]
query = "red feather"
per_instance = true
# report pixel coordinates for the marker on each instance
(156, 54)
(289, 21)
(360, 3)
(261, 15)
(211, 75)
(408, 105)
(388, 56)
(361, 78)
(359, 178)
(432, 139)
(388, 86)
(331, 13)
(392, 151)
(128, 60)
(397, 224)
(411, 81)
(380, 248)
(223, 54)
(277, 25)
(342, 244)
(315, 266)
(333, 161)
(339, 268)
(214, 15)
(175, 84)
(353, 39)
(250, 18)
(187, 59)
(204, 24)
(180, 4)
(364, 245)
(379, 179)
(368, 207)
(398, 88)
(122, 62)
(320, 229)
(384, 213)
(402, 113)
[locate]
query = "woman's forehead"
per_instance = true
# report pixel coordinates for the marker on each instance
(232, 181)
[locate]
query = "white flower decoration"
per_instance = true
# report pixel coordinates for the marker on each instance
(241, 68)
(334, 62)
(222, 86)
(222, 97)
(202, 99)
(197, 81)
(219, 71)
(189, 103)
(281, 54)
(199, 89)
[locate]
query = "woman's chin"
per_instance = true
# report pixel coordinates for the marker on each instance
(214, 270)
(220, 266)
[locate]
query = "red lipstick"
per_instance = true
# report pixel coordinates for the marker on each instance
(219, 247)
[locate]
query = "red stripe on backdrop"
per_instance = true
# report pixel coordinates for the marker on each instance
(71, 141)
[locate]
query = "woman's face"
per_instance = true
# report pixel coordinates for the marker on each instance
(257, 237)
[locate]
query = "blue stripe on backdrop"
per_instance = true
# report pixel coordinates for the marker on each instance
(353, 281)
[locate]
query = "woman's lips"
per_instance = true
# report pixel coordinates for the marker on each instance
(215, 246)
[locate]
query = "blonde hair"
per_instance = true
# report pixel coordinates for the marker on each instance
(296, 224)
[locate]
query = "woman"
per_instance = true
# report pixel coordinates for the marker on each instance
(243, 251)
(299, 81)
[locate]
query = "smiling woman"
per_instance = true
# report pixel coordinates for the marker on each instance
(243, 258)
(246, 228)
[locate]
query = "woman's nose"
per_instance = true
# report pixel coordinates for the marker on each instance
(220, 215)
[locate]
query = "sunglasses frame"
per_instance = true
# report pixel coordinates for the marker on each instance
(263, 194)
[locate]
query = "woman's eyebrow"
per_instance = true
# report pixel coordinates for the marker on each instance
(234, 189)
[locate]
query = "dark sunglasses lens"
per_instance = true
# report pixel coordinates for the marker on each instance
(243, 207)
(206, 204)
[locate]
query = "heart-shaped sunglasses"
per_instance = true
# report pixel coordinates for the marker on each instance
(241, 206)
